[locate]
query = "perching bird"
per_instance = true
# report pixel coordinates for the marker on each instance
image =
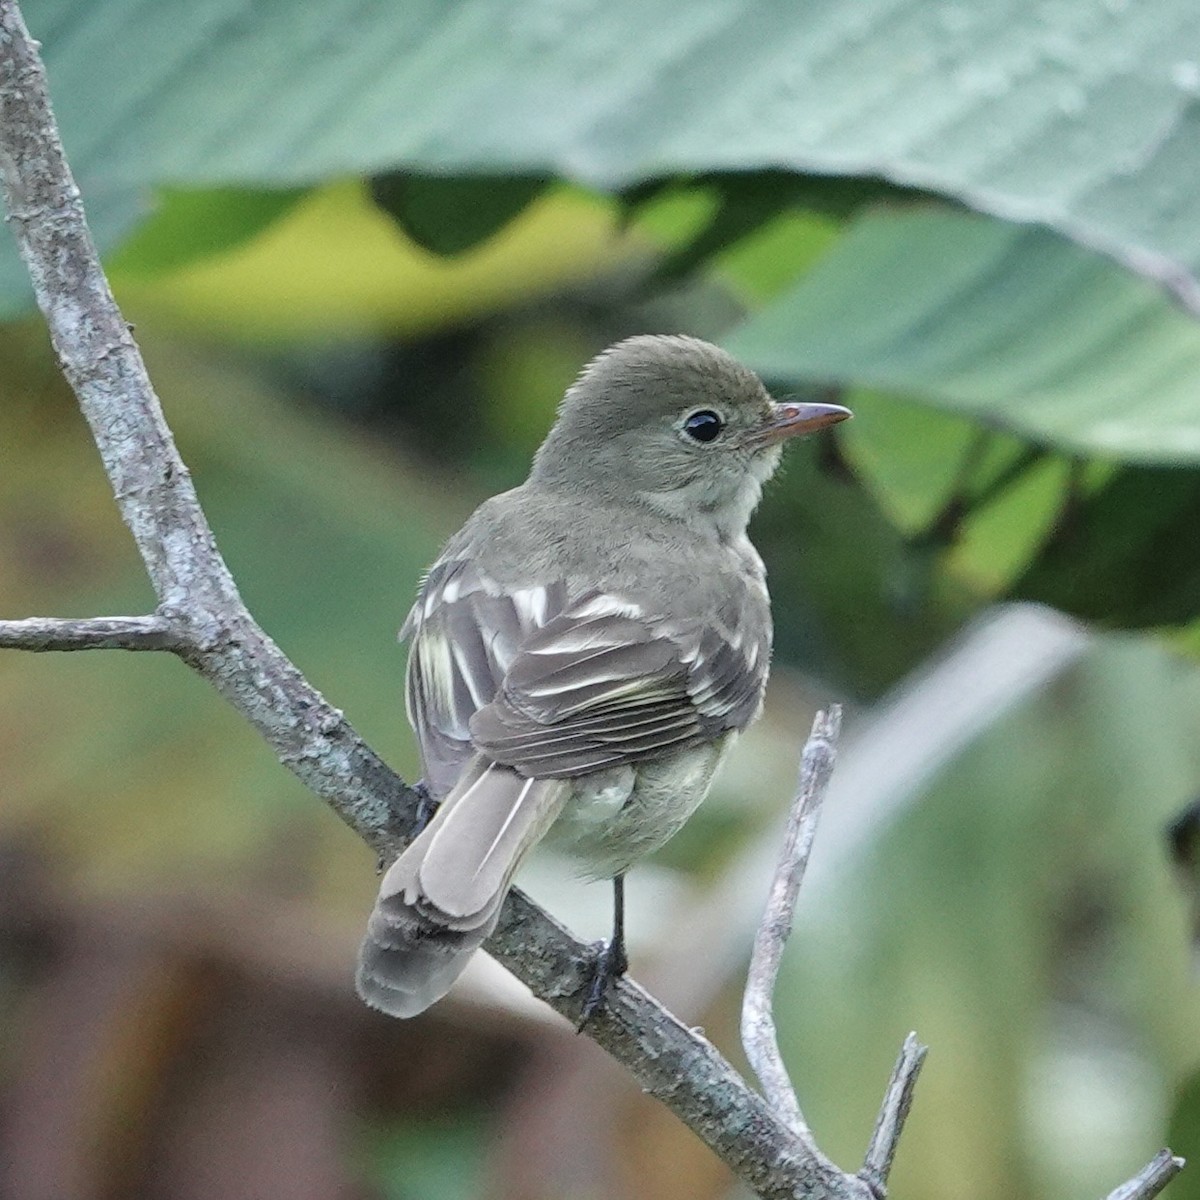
(585, 651)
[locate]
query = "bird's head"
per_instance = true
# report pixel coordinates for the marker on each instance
(676, 424)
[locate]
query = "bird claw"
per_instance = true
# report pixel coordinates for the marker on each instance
(608, 966)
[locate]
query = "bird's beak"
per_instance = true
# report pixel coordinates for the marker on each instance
(790, 418)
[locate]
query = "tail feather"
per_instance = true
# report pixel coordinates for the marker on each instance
(441, 898)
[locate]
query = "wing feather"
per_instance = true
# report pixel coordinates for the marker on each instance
(604, 685)
(556, 688)
(465, 631)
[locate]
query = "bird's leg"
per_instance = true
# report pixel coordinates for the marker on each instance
(611, 962)
(427, 806)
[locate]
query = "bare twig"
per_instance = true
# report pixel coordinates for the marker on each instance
(1151, 1179)
(91, 633)
(893, 1112)
(758, 1022)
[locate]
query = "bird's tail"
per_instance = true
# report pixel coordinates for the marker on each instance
(441, 898)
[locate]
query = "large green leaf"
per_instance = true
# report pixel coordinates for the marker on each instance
(747, 206)
(1010, 325)
(1127, 555)
(191, 226)
(979, 504)
(453, 215)
(1083, 116)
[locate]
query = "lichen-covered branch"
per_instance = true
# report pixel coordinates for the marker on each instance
(90, 633)
(671, 1062)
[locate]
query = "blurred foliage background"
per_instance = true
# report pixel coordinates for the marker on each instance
(365, 247)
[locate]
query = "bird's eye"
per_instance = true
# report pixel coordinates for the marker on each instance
(704, 426)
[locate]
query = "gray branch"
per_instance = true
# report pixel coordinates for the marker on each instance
(202, 619)
(893, 1112)
(1151, 1179)
(91, 633)
(758, 1021)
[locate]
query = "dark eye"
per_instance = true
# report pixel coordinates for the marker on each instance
(704, 425)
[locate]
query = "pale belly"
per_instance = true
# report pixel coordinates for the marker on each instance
(615, 817)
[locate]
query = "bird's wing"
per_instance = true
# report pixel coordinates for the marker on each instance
(603, 684)
(465, 632)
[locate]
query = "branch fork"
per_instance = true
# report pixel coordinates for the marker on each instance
(759, 1038)
(201, 618)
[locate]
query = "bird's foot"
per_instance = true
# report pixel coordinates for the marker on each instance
(608, 966)
(427, 806)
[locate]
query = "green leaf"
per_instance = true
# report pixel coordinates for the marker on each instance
(747, 203)
(910, 455)
(1010, 325)
(188, 226)
(1184, 1138)
(766, 262)
(449, 215)
(1081, 116)
(979, 503)
(336, 267)
(1127, 555)
(853, 602)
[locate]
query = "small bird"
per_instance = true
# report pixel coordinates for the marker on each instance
(585, 652)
